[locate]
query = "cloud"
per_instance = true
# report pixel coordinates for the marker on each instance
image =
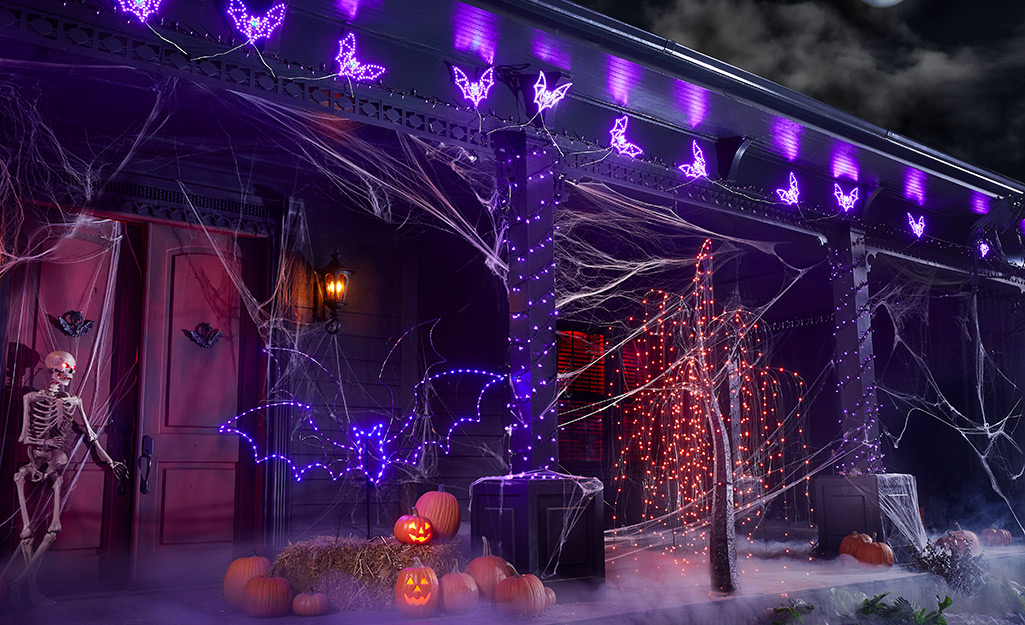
(960, 99)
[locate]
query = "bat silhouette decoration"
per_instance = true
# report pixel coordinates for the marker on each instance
(789, 196)
(846, 201)
(697, 169)
(619, 142)
(350, 67)
(475, 91)
(918, 227)
(545, 99)
(252, 26)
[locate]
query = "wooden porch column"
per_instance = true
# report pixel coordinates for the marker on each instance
(524, 169)
(855, 358)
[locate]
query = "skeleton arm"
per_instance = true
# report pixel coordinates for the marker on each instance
(26, 416)
(119, 468)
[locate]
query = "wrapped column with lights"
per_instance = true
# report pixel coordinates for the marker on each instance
(525, 170)
(854, 358)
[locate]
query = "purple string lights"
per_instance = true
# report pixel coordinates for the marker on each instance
(545, 99)
(141, 9)
(619, 142)
(349, 67)
(697, 169)
(253, 27)
(789, 195)
(474, 91)
(917, 227)
(845, 201)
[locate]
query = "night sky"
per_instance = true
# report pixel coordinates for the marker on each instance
(947, 73)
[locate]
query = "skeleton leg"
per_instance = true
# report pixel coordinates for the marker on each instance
(31, 567)
(26, 519)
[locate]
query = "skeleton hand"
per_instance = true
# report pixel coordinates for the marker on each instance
(119, 469)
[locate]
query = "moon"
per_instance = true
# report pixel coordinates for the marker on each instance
(882, 4)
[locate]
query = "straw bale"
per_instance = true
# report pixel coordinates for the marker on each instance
(356, 573)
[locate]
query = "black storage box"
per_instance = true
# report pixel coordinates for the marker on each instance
(523, 518)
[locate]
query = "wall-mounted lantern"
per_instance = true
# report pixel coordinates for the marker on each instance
(335, 288)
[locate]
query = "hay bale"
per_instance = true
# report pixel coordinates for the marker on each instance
(356, 573)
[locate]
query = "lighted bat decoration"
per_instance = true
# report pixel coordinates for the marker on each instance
(350, 67)
(256, 27)
(983, 249)
(141, 9)
(846, 201)
(619, 142)
(348, 445)
(545, 99)
(790, 195)
(698, 168)
(475, 91)
(917, 227)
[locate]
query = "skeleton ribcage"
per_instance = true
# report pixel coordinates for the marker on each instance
(50, 418)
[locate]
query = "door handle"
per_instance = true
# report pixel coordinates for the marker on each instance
(145, 464)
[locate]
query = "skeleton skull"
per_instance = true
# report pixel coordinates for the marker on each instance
(62, 367)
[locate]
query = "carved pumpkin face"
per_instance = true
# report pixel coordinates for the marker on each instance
(416, 590)
(413, 529)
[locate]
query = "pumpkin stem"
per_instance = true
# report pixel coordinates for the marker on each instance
(441, 488)
(957, 525)
(487, 548)
(512, 568)
(873, 536)
(455, 565)
(417, 563)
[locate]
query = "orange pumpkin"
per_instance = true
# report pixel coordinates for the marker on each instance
(417, 590)
(960, 540)
(996, 537)
(239, 573)
(459, 592)
(266, 596)
(851, 543)
(310, 604)
(521, 595)
(413, 529)
(487, 570)
(875, 553)
(442, 510)
(551, 596)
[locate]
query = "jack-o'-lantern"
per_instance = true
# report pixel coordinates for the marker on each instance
(413, 529)
(417, 590)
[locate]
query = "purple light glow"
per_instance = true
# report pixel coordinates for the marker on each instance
(983, 249)
(980, 203)
(349, 67)
(551, 50)
(253, 27)
(474, 91)
(620, 77)
(789, 195)
(918, 227)
(545, 99)
(693, 100)
(914, 186)
(475, 31)
(697, 169)
(843, 163)
(619, 142)
(786, 136)
(352, 7)
(141, 9)
(845, 201)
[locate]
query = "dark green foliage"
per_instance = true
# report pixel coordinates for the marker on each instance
(965, 574)
(793, 611)
(876, 611)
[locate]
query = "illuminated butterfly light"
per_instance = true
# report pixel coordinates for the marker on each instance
(253, 27)
(474, 91)
(141, 9)
(697, 169)
(789, 196)
(349, 67)
(983, 249)
(545, 99)
(846, 202)
(619, 142)
(918, 227)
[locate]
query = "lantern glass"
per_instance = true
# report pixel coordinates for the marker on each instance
(336, 287)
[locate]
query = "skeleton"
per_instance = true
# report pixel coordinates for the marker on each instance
(52, 420)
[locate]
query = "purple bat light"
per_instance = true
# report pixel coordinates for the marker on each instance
(697, 169)
(983, 249)
(253, 27)
(790, 195)
(619, 142)
(918, 227)
(845, 201)
(141, 9)
(545, 99)
(349, 67)
(474, 91)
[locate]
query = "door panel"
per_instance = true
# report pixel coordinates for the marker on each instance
(187, 522)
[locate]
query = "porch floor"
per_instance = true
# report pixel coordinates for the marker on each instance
(646, 591)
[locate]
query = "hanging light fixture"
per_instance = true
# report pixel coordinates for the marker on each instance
(335, 288)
